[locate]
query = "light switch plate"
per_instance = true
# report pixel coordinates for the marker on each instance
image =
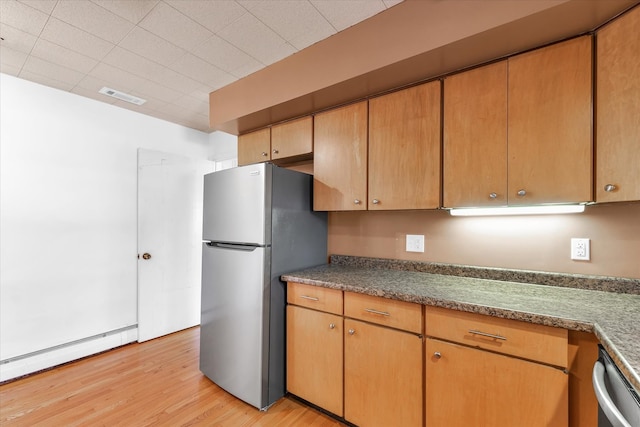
(415, 243)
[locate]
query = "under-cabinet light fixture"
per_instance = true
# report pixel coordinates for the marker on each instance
(518, 210)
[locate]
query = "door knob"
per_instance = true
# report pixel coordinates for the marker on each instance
(146, 255)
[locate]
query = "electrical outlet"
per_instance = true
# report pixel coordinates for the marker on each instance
(415, 243)
(580, 249)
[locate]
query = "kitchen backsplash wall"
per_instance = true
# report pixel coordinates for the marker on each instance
(540, 243)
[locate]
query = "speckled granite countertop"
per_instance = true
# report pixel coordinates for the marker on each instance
(614, 317)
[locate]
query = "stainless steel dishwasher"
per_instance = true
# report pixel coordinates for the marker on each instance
(618, 401)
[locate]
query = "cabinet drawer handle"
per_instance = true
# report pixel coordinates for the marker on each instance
(356, 201)
(609, 188)
(493, 195)
(375, 201)
(484, 334)
(381, 313)
(522, 193)
(309, 298)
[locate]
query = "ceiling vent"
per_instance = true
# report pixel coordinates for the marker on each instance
(122, 96)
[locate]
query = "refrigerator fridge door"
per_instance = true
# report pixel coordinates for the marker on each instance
(237, 205)
(233, 353)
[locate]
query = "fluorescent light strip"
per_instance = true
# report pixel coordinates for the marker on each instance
(518, 210)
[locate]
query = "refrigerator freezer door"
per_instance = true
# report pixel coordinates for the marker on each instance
(237, 205)
(233, 353)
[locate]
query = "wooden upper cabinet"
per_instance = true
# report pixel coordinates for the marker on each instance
(550, 124)
(290, 139)
(254, 147)
(475, 137)
(404, 149)
(618, 109)
(340, 159)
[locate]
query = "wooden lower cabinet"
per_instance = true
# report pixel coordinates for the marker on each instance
(314, 357)
(466, 386)
(382, 376)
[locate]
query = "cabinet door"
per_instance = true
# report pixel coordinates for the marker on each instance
(314, 357)
(618, 110)
(290, 139)
(404, 149)
(475, 137)
(254, 147)
(340, 159)
(382, 376)
(550, 124)
(466, 386)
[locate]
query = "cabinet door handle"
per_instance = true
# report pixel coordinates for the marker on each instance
(356, 201)
(493, 195)
(352, 331)
(332, 325)
(375, 201)
(485, 334)
(381, 313)
(437, 355)
(609, 188)
(309, 298)
(264, 154)
(275, 151)
(522, 193)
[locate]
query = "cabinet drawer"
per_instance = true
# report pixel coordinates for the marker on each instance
(318, 298)
(535, 342)
(383, 311)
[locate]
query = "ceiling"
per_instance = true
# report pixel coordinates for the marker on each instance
(172, 53)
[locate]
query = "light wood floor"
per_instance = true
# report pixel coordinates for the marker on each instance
(154, 383)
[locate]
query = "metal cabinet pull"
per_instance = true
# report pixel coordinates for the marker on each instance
(493, 195)
(356, 201)
(437, 355)
(352, 331)
(609, 188)
(381, 313)
(484, 334)
(332, 325)
(375, 201)
(309, 298)
(522, 193)
(275, 151)
(264, 154)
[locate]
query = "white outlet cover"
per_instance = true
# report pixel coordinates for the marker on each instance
(580, 249)
(415, 243)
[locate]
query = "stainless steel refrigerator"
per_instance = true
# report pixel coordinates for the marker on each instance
(258, 225)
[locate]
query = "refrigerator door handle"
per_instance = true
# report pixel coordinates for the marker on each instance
(237, 247)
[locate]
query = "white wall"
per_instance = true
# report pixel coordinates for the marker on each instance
(68, 174)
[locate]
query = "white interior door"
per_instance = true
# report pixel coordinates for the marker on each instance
(169, 242)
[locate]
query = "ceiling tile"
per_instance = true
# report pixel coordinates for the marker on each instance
(120, 79)
(46, 80)
(293, 20)
(151, 89)
(125, 60)
(150, 46)
(192, 104)
(213, 15)
(343, 14)
(73, 38)
(45, 6)
(391, 3)
(53, 71)
(16, 39)
(131, 10)
(62, 56)
(93, 19)
(177, 81)
(175, 27)
(194, 67)
(23, 17)
(226, 56)
(256, 39)
(12, 60)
